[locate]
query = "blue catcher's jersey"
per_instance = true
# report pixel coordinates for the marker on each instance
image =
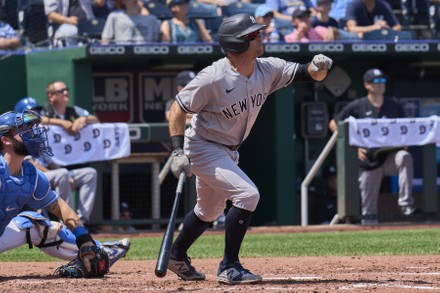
(30, 188)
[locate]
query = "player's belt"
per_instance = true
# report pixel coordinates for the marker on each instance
(231, 147)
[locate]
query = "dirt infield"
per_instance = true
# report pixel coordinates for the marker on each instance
(293, 274)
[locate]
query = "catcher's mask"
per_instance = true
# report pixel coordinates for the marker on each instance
(26, 124)
(233, 31)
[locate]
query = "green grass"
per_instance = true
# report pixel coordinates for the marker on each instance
(389, 242)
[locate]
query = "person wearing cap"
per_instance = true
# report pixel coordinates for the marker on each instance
(264, 16)
(305, 32)
(376, 163)
(225, 99)
(182, 29)
(365, 16)
(126, 214)
(283, 9)
(182, 79)
(131, 24)
(322, 17)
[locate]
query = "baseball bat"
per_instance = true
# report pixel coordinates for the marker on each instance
(167, 240)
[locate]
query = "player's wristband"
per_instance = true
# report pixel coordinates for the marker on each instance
(83, 239)
(79, 231)
(177, 142)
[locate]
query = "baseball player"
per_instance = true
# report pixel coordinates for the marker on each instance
(225, 99)
(62, 180)
(21, 184)
(374, 163)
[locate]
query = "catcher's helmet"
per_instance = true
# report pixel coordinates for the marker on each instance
(26, 103)
(26, 124)
(232, 29)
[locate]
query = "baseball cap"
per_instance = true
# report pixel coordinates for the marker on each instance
(124, 207)
(372, 73)
(262, 10)
(300, 12)
(171, 3)
(184, 77)
(328, 171)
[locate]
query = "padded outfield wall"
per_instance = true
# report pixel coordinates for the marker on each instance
(132, 84)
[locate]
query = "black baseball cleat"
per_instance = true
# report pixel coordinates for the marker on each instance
(409, 210)
(184, 269)
(236, 274)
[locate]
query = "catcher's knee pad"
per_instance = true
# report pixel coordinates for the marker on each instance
(47, 230)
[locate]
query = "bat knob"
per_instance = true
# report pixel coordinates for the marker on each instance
(160, 274)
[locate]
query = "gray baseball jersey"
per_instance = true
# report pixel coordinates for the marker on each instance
(226, 103)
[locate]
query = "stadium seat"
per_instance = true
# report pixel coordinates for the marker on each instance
(91, 29)
(159, 9)
(202, 10)
(212, 25)
(240, 7)
(387, 35)
(415, 17)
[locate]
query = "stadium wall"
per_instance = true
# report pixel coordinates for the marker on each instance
(133, 83)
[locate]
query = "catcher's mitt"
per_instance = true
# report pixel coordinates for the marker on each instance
(76, 268)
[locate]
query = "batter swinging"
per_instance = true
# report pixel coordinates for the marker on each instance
(225, 99)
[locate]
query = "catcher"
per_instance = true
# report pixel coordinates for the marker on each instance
(21, 184)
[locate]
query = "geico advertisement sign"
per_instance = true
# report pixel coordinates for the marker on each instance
(195, 49)
(107, 50)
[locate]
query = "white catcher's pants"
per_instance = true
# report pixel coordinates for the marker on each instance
(13, 237)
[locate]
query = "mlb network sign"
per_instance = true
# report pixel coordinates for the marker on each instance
(132, 97)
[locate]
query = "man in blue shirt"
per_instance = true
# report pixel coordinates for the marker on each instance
(365, 16)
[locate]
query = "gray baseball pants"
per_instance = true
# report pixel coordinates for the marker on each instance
(401, 163)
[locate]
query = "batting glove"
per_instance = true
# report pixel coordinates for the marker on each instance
(180, 163)
(321, 62)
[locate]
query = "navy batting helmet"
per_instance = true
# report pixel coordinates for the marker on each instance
(232, 29)
(26, 103)
(26, 124)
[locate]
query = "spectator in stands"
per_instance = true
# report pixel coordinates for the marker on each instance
(377, 163)
(322, 17)
(9, 39)
(304, 32)
(264, 15)
(129, 25)
(62, 180)
(365, 16)
(337, 11)
(180, 28)
(65, 16)
(283, 9)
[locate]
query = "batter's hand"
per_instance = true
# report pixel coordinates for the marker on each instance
(180, 163)
(321, 62)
